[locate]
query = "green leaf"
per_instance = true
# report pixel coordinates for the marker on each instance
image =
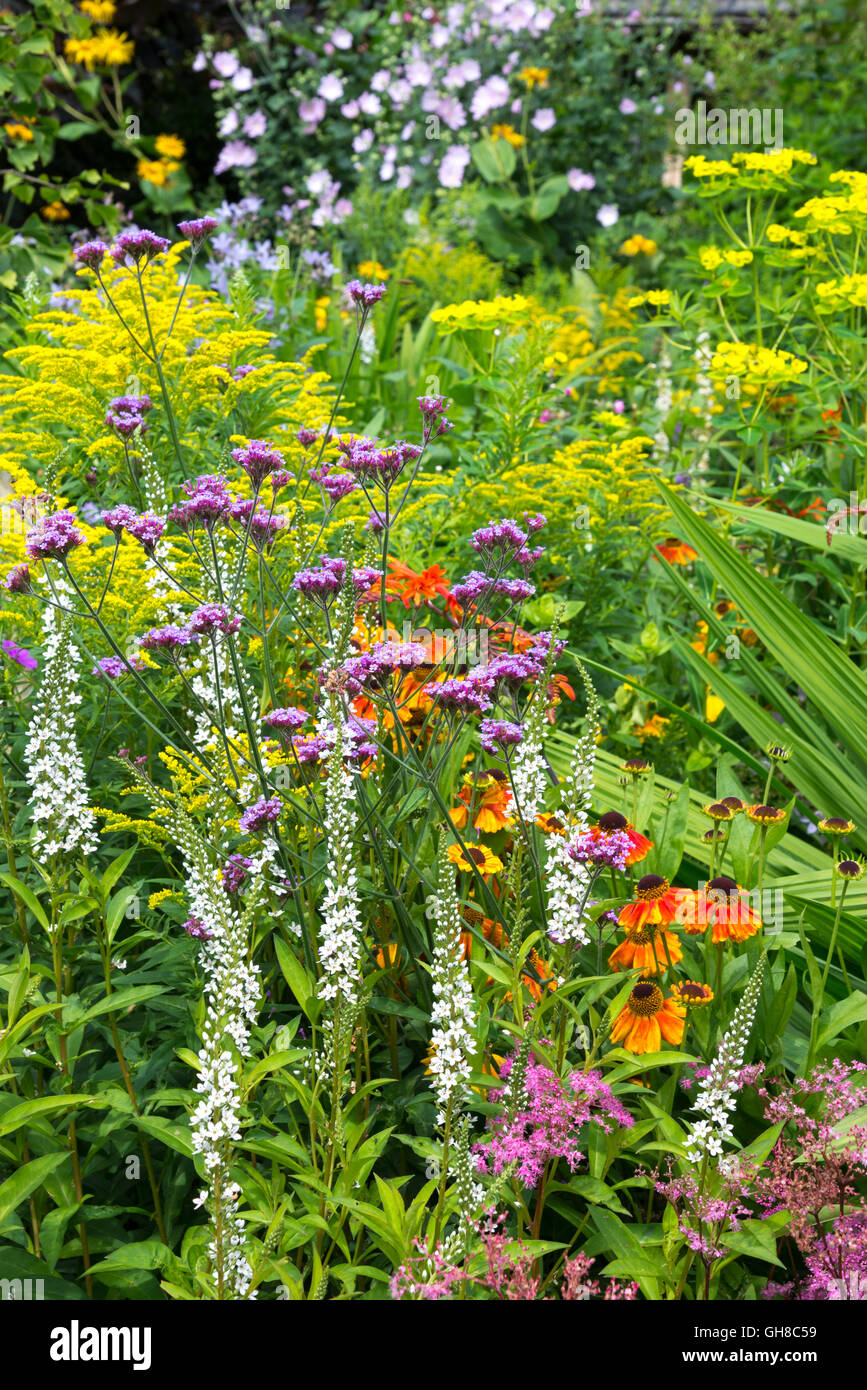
(18, 1115)
(852, 1009)
(122, 999)
(753, 1238)
(302, 985)
(494, 159)
(28, 1177)
(27, 896)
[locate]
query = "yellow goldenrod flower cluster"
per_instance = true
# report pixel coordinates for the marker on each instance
(68, 377)
(107, 49)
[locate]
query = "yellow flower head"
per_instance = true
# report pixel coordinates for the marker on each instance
(509, 134)
(638, 246)
(657, 298)
(759, 366)
(372, 270)
(490, 313)
(107, 49)
(157, 171)
(18, 132)
(534, 77)
(100, 11)
(55, 212)
(170, 146)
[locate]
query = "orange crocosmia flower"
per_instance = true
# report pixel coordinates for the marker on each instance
(644, 950)
(677, 552)
(646, 1018)
(414, 588)
(613, 821)
(491, 796)
(725, 907)
(656, 903)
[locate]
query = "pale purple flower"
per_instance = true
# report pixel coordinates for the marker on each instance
(330, 88)
(607, 215)
(312, 111)
(453, 166)
(226, 64)
(237, 154)
(418, 73)
(228, 125)
(369, 104)
(544, 119)
(243, 80)
(488, 97)
(255, 125)
(341, 38)
(627, 107)
(580, 182)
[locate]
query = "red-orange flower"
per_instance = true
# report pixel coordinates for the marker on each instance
(677, 552)
(646, 1018)
(655, 904)
(644, 949)
(414, 588)
(725, 907)
(490, 796)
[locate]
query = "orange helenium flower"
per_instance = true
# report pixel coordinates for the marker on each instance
(725, 907)
(646, 1018)
(656, 903)
(677, 552)
(645, 949)
(491, 798)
